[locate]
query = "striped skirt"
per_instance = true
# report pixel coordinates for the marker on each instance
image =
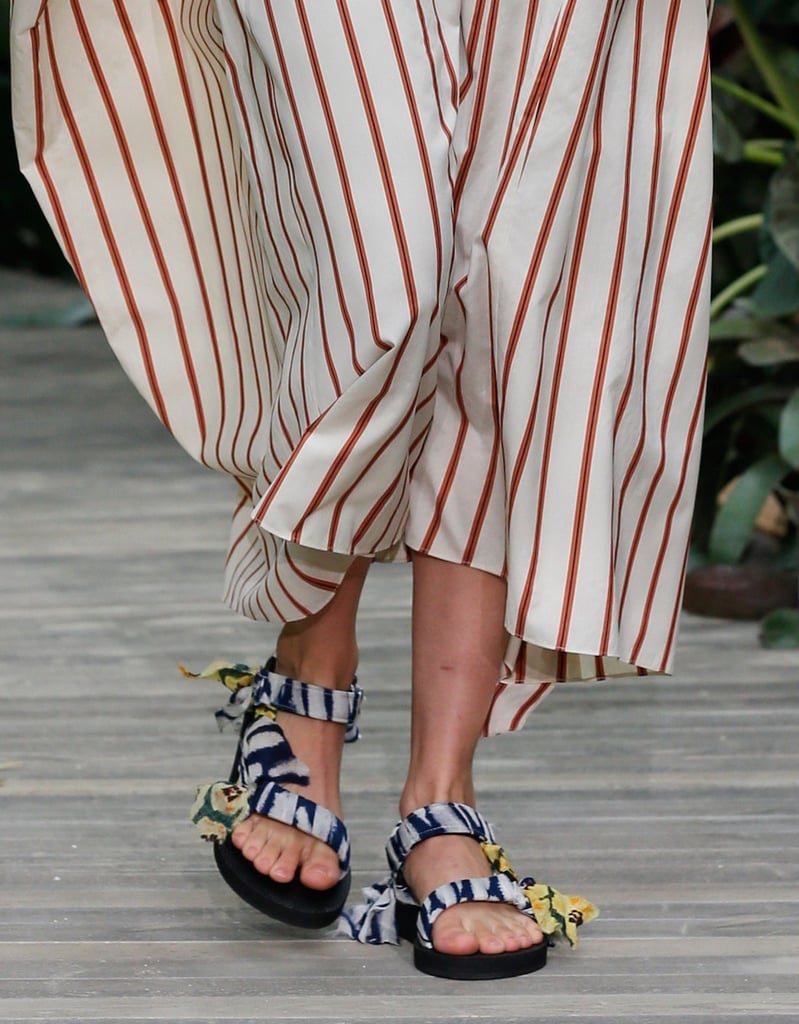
(416, 274)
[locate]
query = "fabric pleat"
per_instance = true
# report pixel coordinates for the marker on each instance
(415, 275)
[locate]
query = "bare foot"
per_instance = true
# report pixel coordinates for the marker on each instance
(320, 649)
(278, 850)
(468, 927)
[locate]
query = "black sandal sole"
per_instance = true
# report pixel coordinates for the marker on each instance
(479, 966)
(472, 967)
(289, 902)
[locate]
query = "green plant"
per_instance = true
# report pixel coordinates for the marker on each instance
(752, 420)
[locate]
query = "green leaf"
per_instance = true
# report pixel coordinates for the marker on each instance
(732, 527)
(777, 294)
(762, 50)
(727, 142)
(769, 351)
(763, 393)
(784, 210)
(780, 628)
(789, 430)
(734, 326)
(773, 10)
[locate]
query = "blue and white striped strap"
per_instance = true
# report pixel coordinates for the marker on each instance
(273, 801)
(269, 688)
(440, 819)
(265, 755)
(375, 920)
(494, 889)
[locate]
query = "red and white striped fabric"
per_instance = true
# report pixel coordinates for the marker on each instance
(414, 274)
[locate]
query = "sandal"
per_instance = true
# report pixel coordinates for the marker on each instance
(263, 765)
(392, 912)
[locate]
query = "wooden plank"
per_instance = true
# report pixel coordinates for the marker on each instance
(671, 803)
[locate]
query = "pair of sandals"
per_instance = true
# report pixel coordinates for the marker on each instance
(265, 764)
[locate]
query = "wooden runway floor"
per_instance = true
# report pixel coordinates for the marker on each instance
(673, 804)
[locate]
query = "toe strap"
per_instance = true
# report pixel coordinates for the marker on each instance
(220, 806)
(273, 801)
(494, 889)
(264, 765)
(377, 918)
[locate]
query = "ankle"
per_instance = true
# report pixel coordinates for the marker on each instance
(334, 669)
(418, 794)
(320, 746)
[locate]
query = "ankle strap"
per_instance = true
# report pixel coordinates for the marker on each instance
(440, 819)
(308, 699)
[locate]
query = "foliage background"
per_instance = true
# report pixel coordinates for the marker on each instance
(751, 445)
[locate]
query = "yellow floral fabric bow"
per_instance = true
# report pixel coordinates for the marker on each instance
(556, 914)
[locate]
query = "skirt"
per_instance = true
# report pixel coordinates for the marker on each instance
(424, 275)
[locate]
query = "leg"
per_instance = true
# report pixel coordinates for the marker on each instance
(458, 642)
(356, 252)
(321, 649)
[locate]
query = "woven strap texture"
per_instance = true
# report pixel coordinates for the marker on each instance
(494, 889)
(440, 819)
(273, 801)
(272, 689)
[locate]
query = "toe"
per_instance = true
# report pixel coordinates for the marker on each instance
(479, 928)
(242, 832)
(284, 867)
(457, 941)
(321, 869)
(533, 936)
(504, 939)
(492, 943)
(254, 843)
(450, 936)
(528, 930)
(280, 857)
(517, 932)
(262, 845)
(279, 851)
